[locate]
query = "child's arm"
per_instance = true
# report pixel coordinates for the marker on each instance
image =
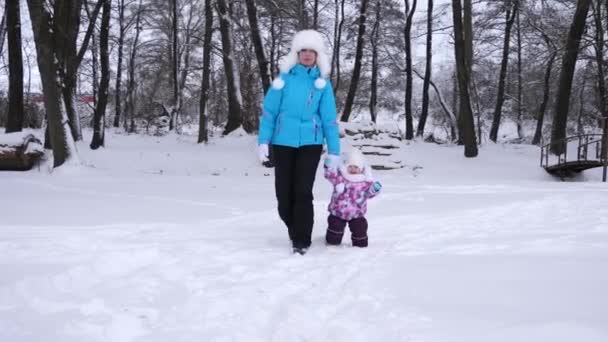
(331, 175)
(331, 169)
(374, 186)
(374, 189)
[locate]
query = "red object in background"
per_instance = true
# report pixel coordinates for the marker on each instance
(39, 98)
(87, 99)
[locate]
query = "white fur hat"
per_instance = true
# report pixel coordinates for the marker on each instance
(355, 158)
(306, 39)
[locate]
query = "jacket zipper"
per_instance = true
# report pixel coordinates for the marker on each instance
(279, 123)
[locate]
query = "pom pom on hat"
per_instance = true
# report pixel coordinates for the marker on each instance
(320, 83)
(278, 83)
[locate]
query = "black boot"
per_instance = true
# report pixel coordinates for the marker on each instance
(300, 250)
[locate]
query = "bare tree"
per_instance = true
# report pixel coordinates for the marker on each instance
(235, 118)
(545, 101)
(560, 118)
(407, 33)
(302, 15)
(256, 38)
(598, 46)
(428, 69)
(66, 27)
(519, 78)
(59, 132)
(203, 121)
(174, 65)
(511, 13)
(467, 20)
(15, 66)
(375, 37)
(3, 29)
(335, 60)
(121, 39)
(131, 98)
(100, 110)
(354, 82)
(468, 127)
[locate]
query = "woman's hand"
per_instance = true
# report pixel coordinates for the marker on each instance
(332, 161)
(263, 153)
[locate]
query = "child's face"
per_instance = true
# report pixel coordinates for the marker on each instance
(354, 169)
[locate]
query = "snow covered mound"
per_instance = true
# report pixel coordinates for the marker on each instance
(378, 144)
(19, 151)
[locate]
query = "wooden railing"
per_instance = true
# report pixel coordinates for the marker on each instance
(584, 144)
(591, 151)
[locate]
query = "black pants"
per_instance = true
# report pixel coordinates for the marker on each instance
(295, 170)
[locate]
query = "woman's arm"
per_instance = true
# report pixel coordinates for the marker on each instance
(329, 119)
(270, 110)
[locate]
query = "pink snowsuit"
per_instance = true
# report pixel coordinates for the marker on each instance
(349, 198)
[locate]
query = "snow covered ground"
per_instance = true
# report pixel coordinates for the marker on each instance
(159, 239)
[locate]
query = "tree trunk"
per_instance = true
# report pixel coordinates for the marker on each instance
(66, 23)
(15, 65)
(315, 15)
(467, 21)
(450, 116)
(203, 117)
(186, 60)
(273, 44)
(407, 32)
(373, 99)
(94, 67)
(100, 110)
(599, 59)
(66, 20)
(468, 126)
(562, 105)
(538, 134)
(520, 133)
(62, 141)
(337, 45)
(2, 30)
(302, 15)
(131, 98)
(428, 70)
(581, 108)
(121, 40)
(174, 65)
(258, 45)
(354, 82)
(500, 97)
(235, 118)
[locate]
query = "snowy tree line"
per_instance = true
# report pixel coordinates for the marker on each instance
(156, 65)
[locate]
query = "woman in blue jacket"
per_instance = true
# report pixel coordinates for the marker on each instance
(299, 115)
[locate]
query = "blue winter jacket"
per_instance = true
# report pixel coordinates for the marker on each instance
(299, 113)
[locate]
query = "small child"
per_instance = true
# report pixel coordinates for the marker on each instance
(353, 185)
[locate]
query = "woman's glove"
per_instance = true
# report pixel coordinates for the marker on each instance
(263, 153)
(332, 161)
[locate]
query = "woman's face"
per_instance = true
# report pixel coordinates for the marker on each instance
(307, 57)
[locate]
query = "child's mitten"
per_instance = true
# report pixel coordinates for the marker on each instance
(377, 186)
(367, 172)
(340, 188)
